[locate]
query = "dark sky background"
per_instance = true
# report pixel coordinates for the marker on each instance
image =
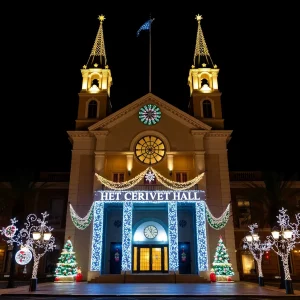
(254, 47)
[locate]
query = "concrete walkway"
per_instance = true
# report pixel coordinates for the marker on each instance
(236, 289)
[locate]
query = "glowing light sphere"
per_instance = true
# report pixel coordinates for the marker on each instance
(23, 256)
(10, 231)
(149, 114)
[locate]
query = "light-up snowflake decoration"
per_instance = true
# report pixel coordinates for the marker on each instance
(150, 114)
(24, 238)
(150, 176)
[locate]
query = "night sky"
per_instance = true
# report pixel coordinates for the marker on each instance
(47, 46)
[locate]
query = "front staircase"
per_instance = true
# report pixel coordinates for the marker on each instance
(149, 278)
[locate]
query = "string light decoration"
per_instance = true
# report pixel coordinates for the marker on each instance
(221, 263)
(127, 236)
(96, 257)
(97, 240)
(66, 269)
(200, 208)
(220, 222)
(35, 236)
(173, 236)
(283, 240)
(23, 256)
(150, 114)
(122, 185)
(81, 223)
(257, 249)
(174, 185)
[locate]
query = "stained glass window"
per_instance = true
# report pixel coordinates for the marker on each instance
(150, 150)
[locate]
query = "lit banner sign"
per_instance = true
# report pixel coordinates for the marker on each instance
(150, 196)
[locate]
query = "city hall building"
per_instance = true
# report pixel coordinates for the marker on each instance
(149, 184)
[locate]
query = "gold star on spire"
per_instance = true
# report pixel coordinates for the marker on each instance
(101, 18)
(198, 18)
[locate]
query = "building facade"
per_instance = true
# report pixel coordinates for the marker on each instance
(149, 171)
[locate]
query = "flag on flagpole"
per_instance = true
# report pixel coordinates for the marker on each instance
(145, 26)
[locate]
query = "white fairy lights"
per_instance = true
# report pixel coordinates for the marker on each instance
(127, 236)
(285, 239)
(96, 257)
(201, 236)
(220, 222)
(173, 236)
(24, 238)
(256, 247)
(81, 223)
(174, 185)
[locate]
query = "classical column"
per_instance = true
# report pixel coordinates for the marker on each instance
(97, 239)
(201, 237)
(127, 236)
(173, 236)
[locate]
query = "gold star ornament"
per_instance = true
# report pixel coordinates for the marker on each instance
(198, 18)
(101, 18)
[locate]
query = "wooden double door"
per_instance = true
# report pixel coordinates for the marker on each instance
(150, 258)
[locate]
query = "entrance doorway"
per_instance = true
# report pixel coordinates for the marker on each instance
(150, 258)
(115, 258)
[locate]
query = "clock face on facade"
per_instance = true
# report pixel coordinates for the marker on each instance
(150, 150)
(150, 232)
(149, 114)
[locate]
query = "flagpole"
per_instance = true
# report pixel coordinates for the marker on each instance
(150, 55)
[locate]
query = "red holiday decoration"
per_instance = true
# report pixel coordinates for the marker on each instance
(79, 275)
(212, 276)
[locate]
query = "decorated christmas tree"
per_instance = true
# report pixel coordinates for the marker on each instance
(221, 264)
(67, 266)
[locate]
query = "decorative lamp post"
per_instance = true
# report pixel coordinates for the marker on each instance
(282, 241)
(257, 249)
(35, 240)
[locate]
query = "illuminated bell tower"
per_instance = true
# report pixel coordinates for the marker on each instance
(94, 102)
(205, 97)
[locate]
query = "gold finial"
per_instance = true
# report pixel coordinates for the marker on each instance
(215, 66)
(203, 65)
(106, 67)
(84, 66)
(198, 18)
(193, 67)
(95, 65)
(101, 18)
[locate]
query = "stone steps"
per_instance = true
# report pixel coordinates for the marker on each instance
(149, 278)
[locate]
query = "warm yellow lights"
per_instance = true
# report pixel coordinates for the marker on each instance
(170, 163)
(36, 235)
(47, 236)
(94, 89)
(129, 162)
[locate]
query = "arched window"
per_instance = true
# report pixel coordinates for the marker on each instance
(92, 109)
(207, 109)
(95, 82)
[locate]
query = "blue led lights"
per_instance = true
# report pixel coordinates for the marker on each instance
(201, 236)
(173, 236)
(97, 241)
(127, 236)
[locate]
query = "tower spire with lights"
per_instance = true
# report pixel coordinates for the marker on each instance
(98, 55)
(201, 55)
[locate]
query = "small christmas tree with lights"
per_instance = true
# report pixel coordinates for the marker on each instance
(221, 264)
(67, 266)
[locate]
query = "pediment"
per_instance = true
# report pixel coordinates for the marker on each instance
(166, 108)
